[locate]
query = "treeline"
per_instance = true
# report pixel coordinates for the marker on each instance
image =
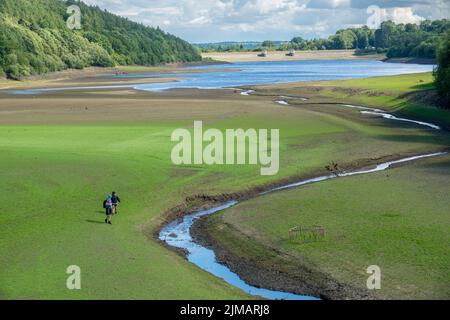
(232, 46)
(35, 39)
(442, 72)
(396, 40)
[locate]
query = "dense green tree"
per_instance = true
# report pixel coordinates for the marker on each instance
(442, 73)
(345, 39)
(396, 40)
(34, 39)
(363, 40)
(384, 36)
(268, 44)
(418, 41)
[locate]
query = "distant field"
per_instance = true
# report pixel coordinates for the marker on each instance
(281, 56)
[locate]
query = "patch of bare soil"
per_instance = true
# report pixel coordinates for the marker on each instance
(429, 97)
(356, 91)
(73, 74)
(410, 60)
(284, 56)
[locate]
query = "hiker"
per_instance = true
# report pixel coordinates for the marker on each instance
(107, 204)
(115, 202)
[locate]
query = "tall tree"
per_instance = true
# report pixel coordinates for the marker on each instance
(385, 35)
(442, 73)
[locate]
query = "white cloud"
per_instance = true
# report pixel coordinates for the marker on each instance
(329, 4)
(402, 15)
(264, 7)
(395, 14)
(200, 20)
(219, 20)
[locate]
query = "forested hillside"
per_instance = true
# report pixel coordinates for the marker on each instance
(442, 73)
(35, 39)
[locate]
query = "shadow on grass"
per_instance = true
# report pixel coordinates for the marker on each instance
(408, 138)
(425, 86)
(94, 221)
(439, 167)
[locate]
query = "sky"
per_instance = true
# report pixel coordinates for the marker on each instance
(202, 21)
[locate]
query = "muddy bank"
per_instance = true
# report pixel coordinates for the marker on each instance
(410, 60)
(105, 71)
(92, 76)
(274, 272)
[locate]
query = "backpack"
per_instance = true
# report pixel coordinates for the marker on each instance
(104, 204)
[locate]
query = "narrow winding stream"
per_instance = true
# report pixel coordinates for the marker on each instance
(177, 233)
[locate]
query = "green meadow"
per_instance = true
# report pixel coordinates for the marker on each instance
(397, 220)
(61, 154)
(407, 95)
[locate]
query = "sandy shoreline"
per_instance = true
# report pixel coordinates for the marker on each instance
(281, 56)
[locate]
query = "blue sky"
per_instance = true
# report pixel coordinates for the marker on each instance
(257, 20)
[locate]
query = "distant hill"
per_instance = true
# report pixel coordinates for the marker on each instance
(35, 39)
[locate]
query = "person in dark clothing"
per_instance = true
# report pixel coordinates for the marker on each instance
(115, 199)
(107, 204)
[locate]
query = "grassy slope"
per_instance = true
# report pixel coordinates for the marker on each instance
(397, 220)
(389, 95)
(52, 215)
(392, 98)
(58, 164)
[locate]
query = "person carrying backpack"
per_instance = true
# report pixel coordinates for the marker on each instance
(107, 204)
(115, 202)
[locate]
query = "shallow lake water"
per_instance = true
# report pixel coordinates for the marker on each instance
(254, 73)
